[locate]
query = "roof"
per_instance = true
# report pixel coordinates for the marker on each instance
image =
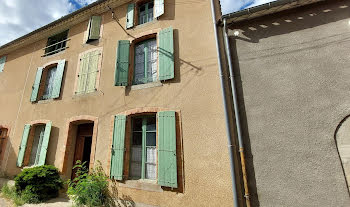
(61, 24)
(265, 9)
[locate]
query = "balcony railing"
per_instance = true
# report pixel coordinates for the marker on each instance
(55, 48)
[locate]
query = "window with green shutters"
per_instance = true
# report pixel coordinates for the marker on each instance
(152, 148)
(94, 28)
(147, 55)
(88, 71)
(39, 144)
(2, 63)
(48, 82)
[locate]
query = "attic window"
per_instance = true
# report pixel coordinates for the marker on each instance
(56, 43)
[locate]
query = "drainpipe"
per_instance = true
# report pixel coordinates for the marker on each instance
(223, 91)
(237, 118)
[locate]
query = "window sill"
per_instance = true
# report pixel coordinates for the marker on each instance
(55, 54)
(45, 101)
(81, 95)
(147, 185)
(146, 85)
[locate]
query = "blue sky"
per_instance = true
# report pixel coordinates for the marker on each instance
(19, 17)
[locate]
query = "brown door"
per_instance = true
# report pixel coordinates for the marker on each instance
(83, 146)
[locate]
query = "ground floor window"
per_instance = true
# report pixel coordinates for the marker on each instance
(37, 143)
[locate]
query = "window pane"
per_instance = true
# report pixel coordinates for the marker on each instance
(151, 171)
(139, 76)
(150, 12)
(151, 155)
(49, 83)
(136, 159)
(152, 61)
(136, 153)
(36, 147)
(135, 170)
(137, 124)
(151, 124)
(137, 138)
(151, 139)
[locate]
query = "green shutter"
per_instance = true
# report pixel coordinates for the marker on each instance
(94, 58)
(167, 168)
(36, 85)
(117, 160)
(22, 147)
(130, 16)
(166, 54)
(122, 63)
(83, 70)
(58, 79)
(45, 144)
(158, 8)
(94, 28)
(2, 63)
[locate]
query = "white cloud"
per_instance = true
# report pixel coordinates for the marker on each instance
(84, 2)
(229, 6)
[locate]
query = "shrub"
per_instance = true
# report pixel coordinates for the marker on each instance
(38, 184)
(10, 193)
(90, 189)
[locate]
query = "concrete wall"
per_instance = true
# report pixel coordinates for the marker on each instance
(294, 79)
(195, 92)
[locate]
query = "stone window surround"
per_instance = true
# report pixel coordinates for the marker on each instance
(68, 140)
(146, 184)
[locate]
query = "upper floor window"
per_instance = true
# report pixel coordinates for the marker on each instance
(88, 71)
(152, 153)
(93, 29)
(143, 12)
(48, 81)
(56, 43)
(146, 56)
(2, 63)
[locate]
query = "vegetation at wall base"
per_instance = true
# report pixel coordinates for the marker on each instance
(38, 184)
(89, 189)
(11, 194)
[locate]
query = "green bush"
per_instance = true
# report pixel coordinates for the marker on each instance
(10, 193)
(90, 189)
(38, 184)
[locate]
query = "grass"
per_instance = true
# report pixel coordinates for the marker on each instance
(10, 193)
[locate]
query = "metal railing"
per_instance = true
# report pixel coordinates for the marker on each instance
(56, 50)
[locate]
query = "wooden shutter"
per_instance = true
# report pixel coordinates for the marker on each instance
(167, 168)
(130, 16)
(58, 79)
(45, 144)
(158, 8)
(166, 54)
(117, 160)
(122, 63)
(22, 147)
(36, 85)
(94, 28)
(94, 58)
(2, 63)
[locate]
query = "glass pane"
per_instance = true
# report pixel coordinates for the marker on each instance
(135, 170)
(137, 124)
(36, 147)
(137, 138)
(136, 154)
(151, 124)
(49, 83)
(152, 61)
(151, 171)
(151, 139)
(139, 76)
(151, 155)
(150, 12)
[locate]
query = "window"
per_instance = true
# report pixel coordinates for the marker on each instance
(2, 63)
(145, 62)
(34, 144)
(147, 55)
(56, 43)
(145, 11)
(152, 148)
(143, 148)
(3, 140)
(94, 28)
(48, 81)
(88, 71)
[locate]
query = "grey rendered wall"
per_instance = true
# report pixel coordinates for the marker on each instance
(294, 83)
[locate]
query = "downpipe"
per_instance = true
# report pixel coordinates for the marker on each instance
(237, 117)
(223, 91)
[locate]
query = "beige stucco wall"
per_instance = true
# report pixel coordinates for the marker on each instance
(195, 92)
(292, 72)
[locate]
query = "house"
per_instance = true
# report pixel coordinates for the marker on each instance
(132, 84)
(290, 62)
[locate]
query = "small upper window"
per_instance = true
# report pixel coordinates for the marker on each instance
(2, 63)
(145, 12)
(94, 28)
(56, 43)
